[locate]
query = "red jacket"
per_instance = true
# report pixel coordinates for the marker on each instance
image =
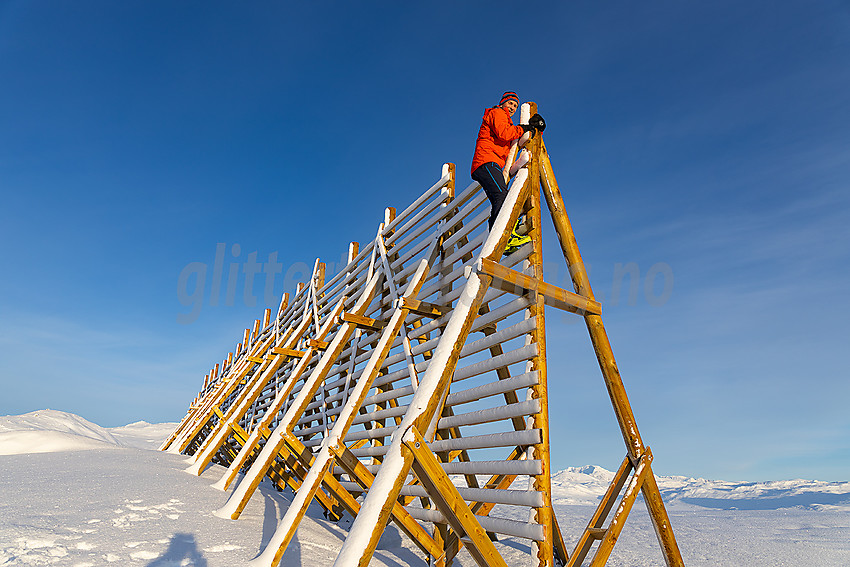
(495, 137)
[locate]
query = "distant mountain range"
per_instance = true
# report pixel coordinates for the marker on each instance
(584, 485)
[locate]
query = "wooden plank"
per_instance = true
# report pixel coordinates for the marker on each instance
(240, 434)
(445, 179)
(518, 283)
(363, 322)
(498, 482)
(288, 352)
(290, 475)
(421, 307)
(296, 448)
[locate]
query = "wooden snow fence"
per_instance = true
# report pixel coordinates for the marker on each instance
(412, 387)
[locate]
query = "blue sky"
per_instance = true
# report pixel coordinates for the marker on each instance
(708, 143)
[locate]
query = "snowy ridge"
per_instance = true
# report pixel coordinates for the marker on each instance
(769, 495)
(51, 431)
(585, 485)
(143, 435)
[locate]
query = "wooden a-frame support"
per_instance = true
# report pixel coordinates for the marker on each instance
(368, 526)
(426, 440)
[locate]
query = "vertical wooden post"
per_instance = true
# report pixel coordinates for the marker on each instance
(284, 303)
(441, 531)
(543, 481)
(446, 270)
(389, 216)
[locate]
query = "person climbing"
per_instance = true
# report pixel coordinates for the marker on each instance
(492, 147)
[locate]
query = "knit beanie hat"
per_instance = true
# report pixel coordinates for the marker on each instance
(510, 95)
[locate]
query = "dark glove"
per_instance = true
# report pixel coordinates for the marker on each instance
(537, 122)
(528, 128)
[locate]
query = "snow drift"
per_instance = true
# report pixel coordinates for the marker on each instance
(51, 431)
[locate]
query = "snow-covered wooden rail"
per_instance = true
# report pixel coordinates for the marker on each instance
(412, 387)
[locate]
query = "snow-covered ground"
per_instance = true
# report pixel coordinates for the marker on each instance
(74, 493)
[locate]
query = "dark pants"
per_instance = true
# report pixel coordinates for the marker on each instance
(491, 179)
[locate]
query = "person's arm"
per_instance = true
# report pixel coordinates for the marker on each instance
(502, 128)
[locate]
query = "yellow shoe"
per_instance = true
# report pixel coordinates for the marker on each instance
(519, 236)
(515, 243)
(521, 227)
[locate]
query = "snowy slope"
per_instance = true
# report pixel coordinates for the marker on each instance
(50, 431)
(117, 504)
(142, 435)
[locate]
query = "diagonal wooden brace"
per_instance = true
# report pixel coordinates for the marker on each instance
(401, 517)
(363, 322)
(449, 502)
(288, 352)
(595, 530)
(642, 469)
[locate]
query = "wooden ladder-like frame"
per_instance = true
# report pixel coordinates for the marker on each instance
(418, 445)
